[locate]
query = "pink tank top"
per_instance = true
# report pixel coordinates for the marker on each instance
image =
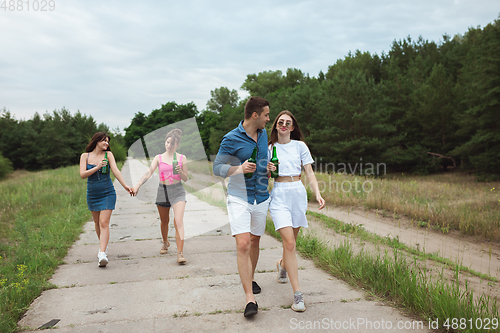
(166, 170)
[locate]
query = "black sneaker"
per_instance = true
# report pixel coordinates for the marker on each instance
(251, 309)
(255, 288)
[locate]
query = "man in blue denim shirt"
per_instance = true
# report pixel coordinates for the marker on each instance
(247, 197)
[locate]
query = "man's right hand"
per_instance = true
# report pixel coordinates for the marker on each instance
(248, 167)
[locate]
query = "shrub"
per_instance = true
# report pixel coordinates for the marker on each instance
(5, 166)
(118, 151)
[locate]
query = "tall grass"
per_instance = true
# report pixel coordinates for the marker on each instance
(450, 201)
(393, 242)
(200, 166)
(41, 215)
(397, 279)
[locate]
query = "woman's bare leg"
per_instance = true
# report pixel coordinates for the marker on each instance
(179, 208)
(164, 220)
(104, 218)
(289, 261)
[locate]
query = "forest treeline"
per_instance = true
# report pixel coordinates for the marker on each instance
(422, 107)
(50, 141)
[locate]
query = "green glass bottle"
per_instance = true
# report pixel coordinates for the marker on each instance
(274, 160)
(174, 165)
(105, 168)
(252, 159)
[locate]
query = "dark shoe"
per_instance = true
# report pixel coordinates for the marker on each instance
(251, 309)
(255, 288)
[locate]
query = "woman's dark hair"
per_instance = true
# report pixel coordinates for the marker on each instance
(98, 137)
(175, 134)
(296, 134)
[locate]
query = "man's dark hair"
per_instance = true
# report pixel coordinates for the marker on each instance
(255, 104)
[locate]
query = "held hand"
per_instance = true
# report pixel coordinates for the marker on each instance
(321, 201)
(248, 167)
(135, 190)
(178, 169)
(128, 189)
(271, 166)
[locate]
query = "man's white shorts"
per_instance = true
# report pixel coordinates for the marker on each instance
(245, 217)
(288, 205)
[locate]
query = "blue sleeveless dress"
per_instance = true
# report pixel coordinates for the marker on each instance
(101, 193)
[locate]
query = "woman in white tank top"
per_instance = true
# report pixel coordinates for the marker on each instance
(289, 197)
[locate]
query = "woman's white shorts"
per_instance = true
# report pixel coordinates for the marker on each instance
(288, 205)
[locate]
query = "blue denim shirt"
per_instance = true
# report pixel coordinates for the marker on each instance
(237, 147)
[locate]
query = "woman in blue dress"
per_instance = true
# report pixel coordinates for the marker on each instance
(101, 195)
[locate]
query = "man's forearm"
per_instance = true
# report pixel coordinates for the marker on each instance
(234, 170)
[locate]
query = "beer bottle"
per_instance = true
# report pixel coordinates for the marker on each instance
(252, 159)
(174, 165)
(105, 168)
(274, 160)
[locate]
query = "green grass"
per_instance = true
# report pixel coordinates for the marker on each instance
(361, 233)
(396, 279)
(203, 167)
(41, 215)
(448, 201)
(205, 197)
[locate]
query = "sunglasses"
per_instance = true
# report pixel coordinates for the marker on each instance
(287, 124)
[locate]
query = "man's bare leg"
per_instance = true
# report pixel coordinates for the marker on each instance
(254, 252)
(243, 245)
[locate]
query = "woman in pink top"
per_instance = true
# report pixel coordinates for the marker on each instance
(171, 193)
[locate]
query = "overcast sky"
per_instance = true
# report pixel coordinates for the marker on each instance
(110, 59)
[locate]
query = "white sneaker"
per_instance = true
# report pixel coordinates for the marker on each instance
(103, 259)
(282, 278)
(298, 302)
